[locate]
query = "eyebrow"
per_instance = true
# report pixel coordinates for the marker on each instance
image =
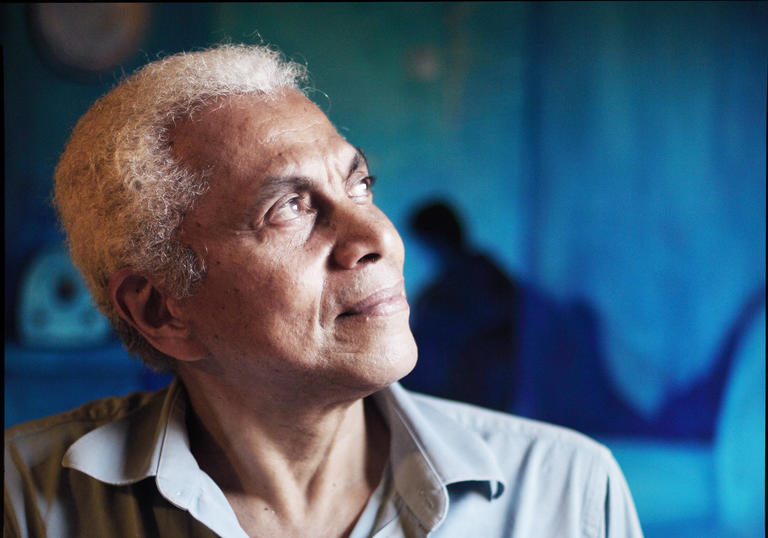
(357, 160)
(275, 186)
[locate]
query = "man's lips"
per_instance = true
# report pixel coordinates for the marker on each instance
(384, 302)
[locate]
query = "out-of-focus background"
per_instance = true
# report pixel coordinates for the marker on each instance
(580, 188)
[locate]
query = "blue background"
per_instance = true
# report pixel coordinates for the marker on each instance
(606, 155)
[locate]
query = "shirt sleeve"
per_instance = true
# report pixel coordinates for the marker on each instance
(621, 519)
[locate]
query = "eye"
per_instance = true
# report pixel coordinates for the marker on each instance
(362, 188)
(290, 208)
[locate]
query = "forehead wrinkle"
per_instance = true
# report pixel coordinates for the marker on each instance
(301, 158)
(276, 133)
(295, 151)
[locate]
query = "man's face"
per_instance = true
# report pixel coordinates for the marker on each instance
(304, 284)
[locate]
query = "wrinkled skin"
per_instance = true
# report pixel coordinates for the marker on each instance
(304, 287)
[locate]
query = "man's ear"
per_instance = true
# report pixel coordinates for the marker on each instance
(154, 314)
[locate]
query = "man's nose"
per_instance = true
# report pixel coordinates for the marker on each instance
(364, 235)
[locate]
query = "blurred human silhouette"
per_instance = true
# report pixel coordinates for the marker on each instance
(489, 339)
(464, 322)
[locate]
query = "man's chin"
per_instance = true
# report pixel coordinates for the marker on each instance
(383, 365)
(397, 361)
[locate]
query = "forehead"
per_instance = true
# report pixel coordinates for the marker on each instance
(252, 133)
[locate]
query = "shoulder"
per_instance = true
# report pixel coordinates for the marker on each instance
(80, 420)
(525, 446)
(491, 424)
(44, 495)
(574, 482)
(557, 482)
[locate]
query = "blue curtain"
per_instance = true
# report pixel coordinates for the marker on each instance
(612, 156)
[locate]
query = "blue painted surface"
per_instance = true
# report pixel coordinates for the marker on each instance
(609, 156)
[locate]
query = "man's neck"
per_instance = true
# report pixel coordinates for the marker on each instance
(292, 468)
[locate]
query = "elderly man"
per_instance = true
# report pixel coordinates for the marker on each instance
(229, 233)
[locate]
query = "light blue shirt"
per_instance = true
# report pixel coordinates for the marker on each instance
(123, 467)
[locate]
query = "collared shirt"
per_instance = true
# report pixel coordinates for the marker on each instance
(123, 467)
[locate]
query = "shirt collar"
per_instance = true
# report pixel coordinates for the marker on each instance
(430, 451)
(153, 442)
(128, 449)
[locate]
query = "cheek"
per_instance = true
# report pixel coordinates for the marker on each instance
(268, 302)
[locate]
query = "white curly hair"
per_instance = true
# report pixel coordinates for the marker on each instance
(119, 192)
